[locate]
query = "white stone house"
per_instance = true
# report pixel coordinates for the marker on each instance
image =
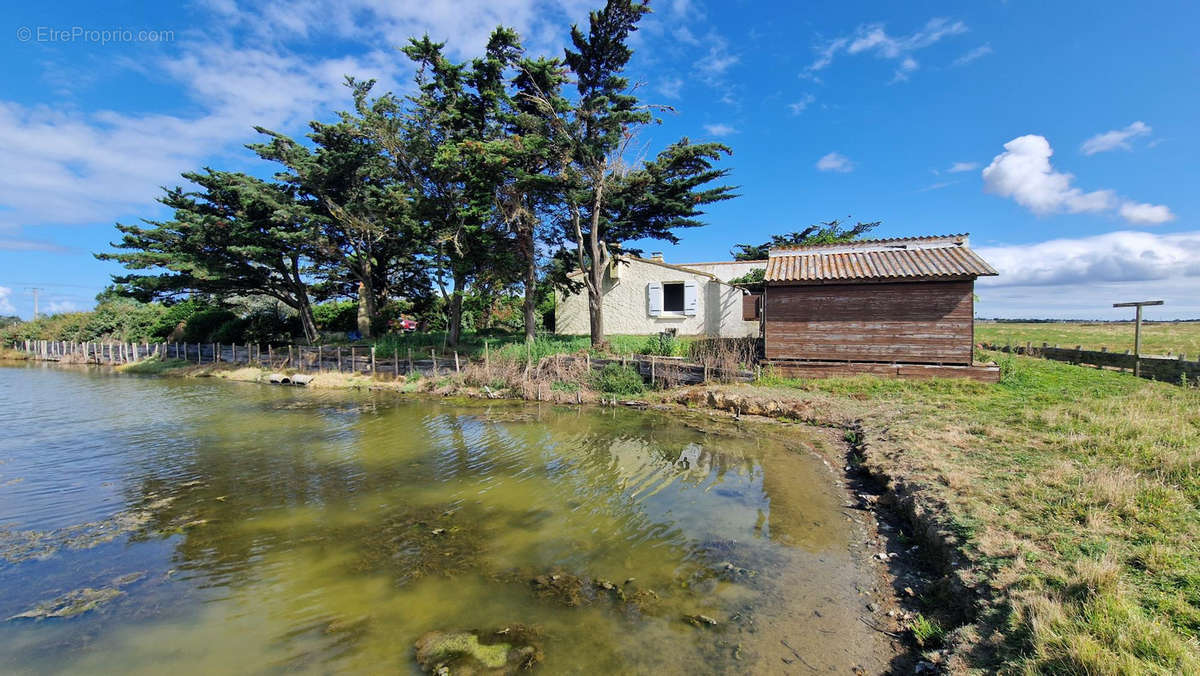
(644, 296)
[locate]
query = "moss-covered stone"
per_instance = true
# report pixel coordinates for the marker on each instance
(504, 651)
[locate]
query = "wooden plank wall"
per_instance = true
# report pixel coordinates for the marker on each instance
(915, 322)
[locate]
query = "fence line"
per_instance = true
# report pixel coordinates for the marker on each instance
(1174, 369)
(365, 360)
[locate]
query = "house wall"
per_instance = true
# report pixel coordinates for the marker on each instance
(916, 322)
(627, 308)
(726, 270)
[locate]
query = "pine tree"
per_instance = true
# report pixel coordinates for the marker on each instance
(235, 236)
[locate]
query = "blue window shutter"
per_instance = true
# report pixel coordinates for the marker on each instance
(654, 298)
(689, 299)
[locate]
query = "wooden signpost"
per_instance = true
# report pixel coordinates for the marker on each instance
(1137, 331)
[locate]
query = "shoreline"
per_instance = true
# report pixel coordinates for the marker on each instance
(883, 507)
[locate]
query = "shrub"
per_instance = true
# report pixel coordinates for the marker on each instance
(617, 379)
(203, 325)
(662, 345)
(336, 315)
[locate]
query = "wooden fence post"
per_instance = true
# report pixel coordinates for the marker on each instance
(456, 368)
(372, 360)
(395, 361)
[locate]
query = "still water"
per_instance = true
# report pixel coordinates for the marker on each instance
(157, 525)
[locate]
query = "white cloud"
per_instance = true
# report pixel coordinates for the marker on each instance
(962, 166)
(977, 53)
(670, 87)
(1117, 138)
(6, 306)
(874, 39)
(799, 106)
(88, 166)
(1081, 278)
(719, 129)
(1122, 256)
(718, 60)
(30, 245)
(937, 186)
(907, 65)
(59, 306)
(835, 162)
(1149, 214)
(1023, 173)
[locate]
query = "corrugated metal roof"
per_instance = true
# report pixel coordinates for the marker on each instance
(878, 260)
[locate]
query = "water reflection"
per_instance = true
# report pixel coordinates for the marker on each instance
(309, 531)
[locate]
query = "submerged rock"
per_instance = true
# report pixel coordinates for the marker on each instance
(70, 604)
(504, 651)
(79, 601)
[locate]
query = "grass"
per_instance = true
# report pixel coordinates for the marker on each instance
(153, 366)
(513, 345)
(1157, 338)
(1076, 492)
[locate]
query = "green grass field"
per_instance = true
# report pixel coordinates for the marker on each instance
(1157, 338)
(1076, 492)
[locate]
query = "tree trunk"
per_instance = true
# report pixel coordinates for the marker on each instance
(364, 311)
(529, 252)
(454, 328)
(307, 321)
(596, 317)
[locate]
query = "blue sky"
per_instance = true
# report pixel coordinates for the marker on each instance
(1062, 136)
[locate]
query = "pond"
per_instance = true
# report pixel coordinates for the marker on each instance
(152, 525)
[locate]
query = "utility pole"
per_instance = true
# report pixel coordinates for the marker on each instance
(35, 291)
(1137, 331)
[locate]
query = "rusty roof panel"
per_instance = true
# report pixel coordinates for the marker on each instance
(931, 259)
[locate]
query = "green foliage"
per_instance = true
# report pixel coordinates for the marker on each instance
(9, 320)
(926, 631)
(175, 316)
(617, 379)
(336, 315)
(205, 325)
(752, 280)
(661, 345)
(829, 232)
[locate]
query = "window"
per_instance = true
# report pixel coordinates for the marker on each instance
(672, 297)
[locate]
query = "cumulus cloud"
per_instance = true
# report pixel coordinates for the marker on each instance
(977, 53)
(6, 306)
(874, 39)
(1023, 172)
(1149, 214)
(719, 129)
(835, 162)
(1117, 138)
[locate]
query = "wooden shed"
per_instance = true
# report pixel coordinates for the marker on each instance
(893, 307)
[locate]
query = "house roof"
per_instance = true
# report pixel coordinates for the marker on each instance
(943, 257)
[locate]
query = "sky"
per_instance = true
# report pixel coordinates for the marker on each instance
(1062, 136)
